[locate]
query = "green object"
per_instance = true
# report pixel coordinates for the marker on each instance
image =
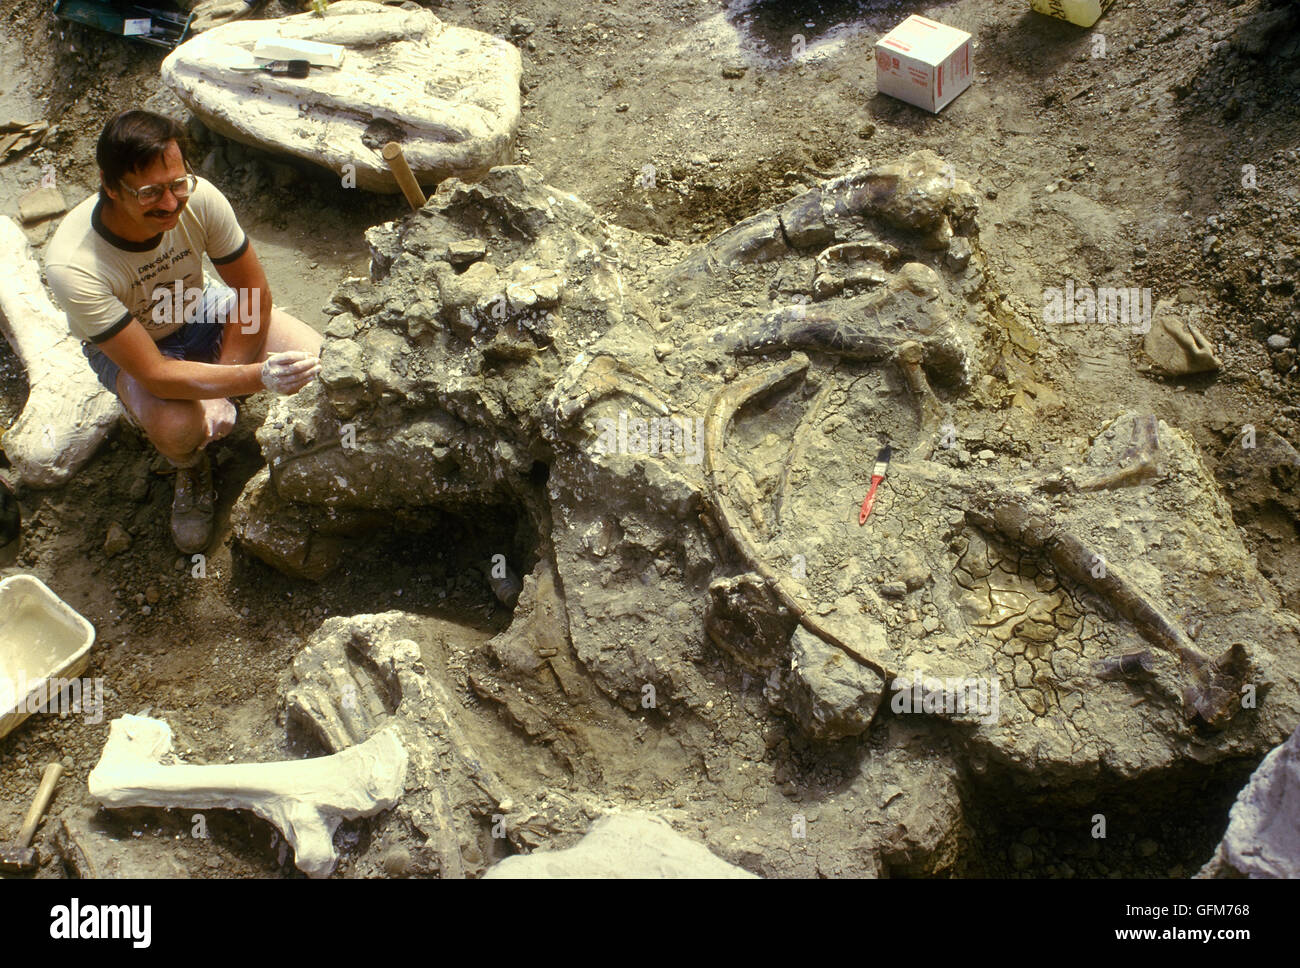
(161, 28)
(318, 7)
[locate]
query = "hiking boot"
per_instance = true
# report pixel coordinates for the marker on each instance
(192, 507)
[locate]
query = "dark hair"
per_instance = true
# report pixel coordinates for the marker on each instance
(132, 140)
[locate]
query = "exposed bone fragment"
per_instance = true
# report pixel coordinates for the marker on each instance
(305, 799)
(722, 410)
(605, 375)
(801, 435)
(873, 327)
(68, 413)
(1176, 347)
(1134, 665)
(909, 359)
(1211, 687)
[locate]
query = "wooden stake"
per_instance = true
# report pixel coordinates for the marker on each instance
(396, 162)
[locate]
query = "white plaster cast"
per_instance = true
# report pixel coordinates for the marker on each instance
(447, 94)
(305, 799)
(68, 413)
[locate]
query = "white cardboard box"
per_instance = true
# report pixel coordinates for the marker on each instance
(924, 62)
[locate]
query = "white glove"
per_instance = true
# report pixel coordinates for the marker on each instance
(288, 372)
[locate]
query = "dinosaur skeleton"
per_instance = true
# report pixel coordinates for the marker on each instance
(1211, 684)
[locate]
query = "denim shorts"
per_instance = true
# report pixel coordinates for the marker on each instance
(199, 341)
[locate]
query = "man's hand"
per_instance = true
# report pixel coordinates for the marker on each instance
(218, 418)
(288, 372)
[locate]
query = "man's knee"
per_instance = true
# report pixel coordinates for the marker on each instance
(177, 427)
(174, 426)
(290, 333)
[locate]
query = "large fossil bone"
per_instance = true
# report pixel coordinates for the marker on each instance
(305, 799)
(906, 312)
(1211, 684)
(723, 407)
(68, 413)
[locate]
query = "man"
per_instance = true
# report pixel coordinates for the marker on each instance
(126, 266)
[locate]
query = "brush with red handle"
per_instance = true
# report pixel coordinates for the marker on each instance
(877, 475)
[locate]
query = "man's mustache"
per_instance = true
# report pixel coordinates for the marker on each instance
(159, 213)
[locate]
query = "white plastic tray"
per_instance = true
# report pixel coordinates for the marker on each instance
(41, 638)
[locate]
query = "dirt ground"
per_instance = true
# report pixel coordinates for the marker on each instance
(1119, 167)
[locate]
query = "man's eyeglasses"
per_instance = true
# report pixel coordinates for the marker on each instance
(148, 194)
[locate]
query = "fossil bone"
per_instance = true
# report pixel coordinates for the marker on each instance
(724, 406)
(605, 375)
(68, 413)
(305, 799)
(801, 435)
(1133, 665)
(909, 359)
(871, 328)
(1210, 685)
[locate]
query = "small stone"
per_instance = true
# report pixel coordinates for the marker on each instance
(1278, 342)
(39, 204)
(465, 251)
(959, 254)
(396, 861)
(930, 623)
(986, 455)
(117, 540)
(341, 327)
(893, 589)
(139, 489)
(151, 595)
(734, 72)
